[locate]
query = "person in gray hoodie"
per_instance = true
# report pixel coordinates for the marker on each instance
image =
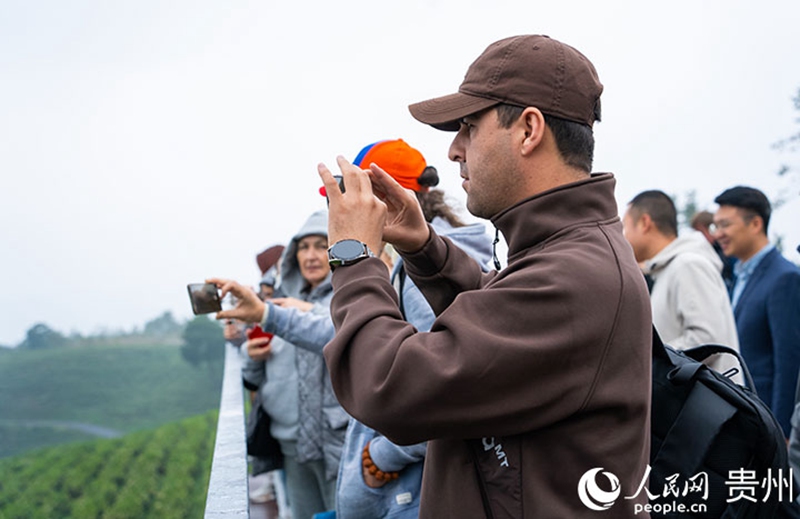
(688, 296)
(294, 384)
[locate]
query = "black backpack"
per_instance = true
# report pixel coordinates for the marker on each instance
(704, 423)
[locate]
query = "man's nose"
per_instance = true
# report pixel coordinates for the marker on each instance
(456, 151)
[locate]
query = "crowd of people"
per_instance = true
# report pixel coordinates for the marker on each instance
(405, 374)
(323, 450)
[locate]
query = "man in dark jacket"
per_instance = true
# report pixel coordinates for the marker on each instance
(535, 378)
(765, 298)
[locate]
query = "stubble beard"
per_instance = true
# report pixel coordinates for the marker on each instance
(474, 205)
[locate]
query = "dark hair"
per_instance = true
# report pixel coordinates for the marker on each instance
(702, 220)
(433, 205)
(661, 209)
(749, 199)
(429, 177)
(432, 202)
(575, 141)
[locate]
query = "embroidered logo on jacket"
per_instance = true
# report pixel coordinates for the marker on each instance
(490, 444)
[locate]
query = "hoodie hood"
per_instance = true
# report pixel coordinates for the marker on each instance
(270, 277)
(471, 238)
(693, 242)
(292, 282)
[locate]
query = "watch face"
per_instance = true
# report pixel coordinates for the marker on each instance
(347, 250)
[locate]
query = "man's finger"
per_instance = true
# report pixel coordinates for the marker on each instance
(355, 179)
(330, 183)
(385, 183)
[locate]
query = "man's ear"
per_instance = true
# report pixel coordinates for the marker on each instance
(646, 222)
(533, 129)
(757, 224)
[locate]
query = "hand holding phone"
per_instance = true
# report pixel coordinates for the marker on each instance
(340, 181)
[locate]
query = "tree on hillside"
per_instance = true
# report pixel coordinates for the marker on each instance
(789, 170)
(203, 342)
(41, 336)
(163, 325)
(686, 207)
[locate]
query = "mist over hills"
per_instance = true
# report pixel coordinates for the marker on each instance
(116, 425)
(55, 395)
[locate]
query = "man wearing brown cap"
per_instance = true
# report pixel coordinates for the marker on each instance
(534, 379)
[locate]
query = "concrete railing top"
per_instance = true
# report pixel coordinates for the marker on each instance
(227, 488)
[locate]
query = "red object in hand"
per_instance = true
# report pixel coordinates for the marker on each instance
(256, 332)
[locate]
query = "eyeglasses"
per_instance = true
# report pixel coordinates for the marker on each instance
(724, 224)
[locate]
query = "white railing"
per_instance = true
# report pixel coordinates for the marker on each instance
(227, 488)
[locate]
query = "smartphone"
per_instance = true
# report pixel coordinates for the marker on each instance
(340, 181)
(256, 332)
(204, 297)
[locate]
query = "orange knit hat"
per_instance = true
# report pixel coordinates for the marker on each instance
(401, 161)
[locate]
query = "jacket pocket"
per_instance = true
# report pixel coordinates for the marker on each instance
(498, 467)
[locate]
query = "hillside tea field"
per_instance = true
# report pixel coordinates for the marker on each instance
(78, 393)
(160, 474)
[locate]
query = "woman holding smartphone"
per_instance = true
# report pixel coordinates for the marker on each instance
(289, 368)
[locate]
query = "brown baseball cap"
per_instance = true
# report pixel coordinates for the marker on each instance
(529, 70)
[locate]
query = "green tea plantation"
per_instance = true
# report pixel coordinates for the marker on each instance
(160, 474)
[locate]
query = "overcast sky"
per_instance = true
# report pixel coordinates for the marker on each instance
(145, 145)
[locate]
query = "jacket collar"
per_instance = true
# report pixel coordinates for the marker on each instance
(535, 219)
(754, 279)
(746, 268)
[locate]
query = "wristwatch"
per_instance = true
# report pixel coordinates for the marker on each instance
(347, 252)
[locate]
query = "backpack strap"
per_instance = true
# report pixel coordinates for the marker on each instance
(701, 353)
(686, 444)
(399, 283)
(659, 351)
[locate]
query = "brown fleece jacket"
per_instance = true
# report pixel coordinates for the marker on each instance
(536, 374)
